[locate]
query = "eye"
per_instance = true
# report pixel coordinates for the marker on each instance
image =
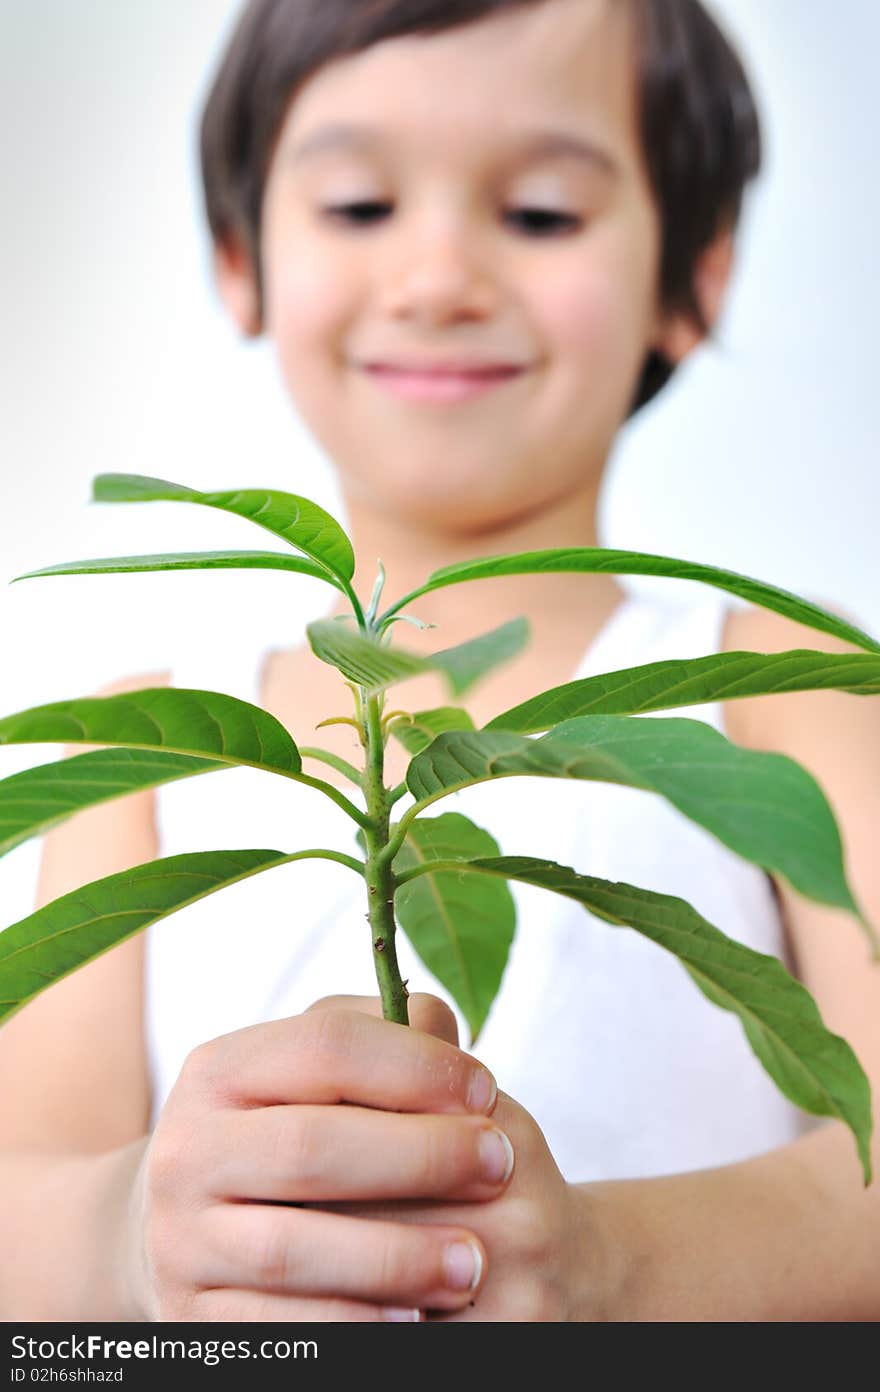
(535, 221)
(541, 221)
(360, 213)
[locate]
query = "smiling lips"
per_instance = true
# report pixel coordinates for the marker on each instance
(441, 382)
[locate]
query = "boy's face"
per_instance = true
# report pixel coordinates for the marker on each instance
(465, 248)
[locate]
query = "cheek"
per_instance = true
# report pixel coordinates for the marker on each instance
(308, 303)
(594, 308)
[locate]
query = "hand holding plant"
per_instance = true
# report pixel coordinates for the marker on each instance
(251, 1146)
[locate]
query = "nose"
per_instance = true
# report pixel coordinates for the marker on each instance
(439, 275)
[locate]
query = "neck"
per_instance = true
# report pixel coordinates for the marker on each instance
(556, 604)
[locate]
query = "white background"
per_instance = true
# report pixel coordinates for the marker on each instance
(761, 457)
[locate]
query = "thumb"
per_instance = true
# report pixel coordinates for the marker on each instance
(431, 1015)
(427, 1013)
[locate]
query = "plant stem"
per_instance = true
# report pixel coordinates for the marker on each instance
(435, 867)
(377, 871)
(324, 756)
(409, 816)
(339, 856)
(356, 606)
(334, 795)
(397, 793)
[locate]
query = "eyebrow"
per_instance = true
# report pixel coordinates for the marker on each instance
(531, 145)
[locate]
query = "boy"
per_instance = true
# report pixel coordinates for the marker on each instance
(397, 247)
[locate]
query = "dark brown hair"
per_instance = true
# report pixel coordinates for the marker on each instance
(699, 126)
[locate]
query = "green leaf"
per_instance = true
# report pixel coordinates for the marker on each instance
(691, 681)
(467, 663)
(37, 799)
(298, 521)
(204, 723)
(595, 559)
(375, 666)
(361, 659)
(461, 927)
(764, 806)
(63, 935)
(416, 732)
(815, 1069)
(196, 560)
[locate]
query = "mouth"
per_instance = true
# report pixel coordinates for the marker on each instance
(446, 384)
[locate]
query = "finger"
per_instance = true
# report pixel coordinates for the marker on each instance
(224, 1305)
(508, 1116)
(327, 1056)
(304, 1252)
(368, 1005)
(431, 1015)
(306, 1153)
(427, 1013)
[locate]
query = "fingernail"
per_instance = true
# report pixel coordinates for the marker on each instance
(496, 1156)
(463, 1264)
(397, 1316)
(483, 1091)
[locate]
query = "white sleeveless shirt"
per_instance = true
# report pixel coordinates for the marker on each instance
(597, 1032)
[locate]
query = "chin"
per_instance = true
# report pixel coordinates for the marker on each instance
(444, 505)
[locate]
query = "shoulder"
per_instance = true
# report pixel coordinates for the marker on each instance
(121, 685)
(835, 736)
(755, 624)
(764, 721)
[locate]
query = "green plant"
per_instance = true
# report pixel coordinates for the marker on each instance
(442, 878)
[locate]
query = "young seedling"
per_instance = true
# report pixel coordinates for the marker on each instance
(442, 878)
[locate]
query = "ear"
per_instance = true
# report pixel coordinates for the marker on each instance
(679, 334)
(237, 284)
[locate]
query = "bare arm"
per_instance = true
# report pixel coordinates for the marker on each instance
(793, 1234)
(213, 1214)
(75, 1090)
